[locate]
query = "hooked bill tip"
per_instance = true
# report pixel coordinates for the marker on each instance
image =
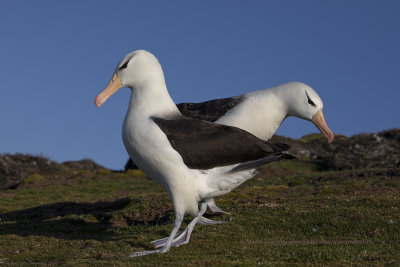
(97, 101)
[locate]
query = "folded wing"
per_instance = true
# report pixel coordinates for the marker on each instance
(205, 145)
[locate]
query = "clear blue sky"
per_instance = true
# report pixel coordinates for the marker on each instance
(56, 56)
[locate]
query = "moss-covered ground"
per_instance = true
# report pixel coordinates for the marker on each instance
(290, 214)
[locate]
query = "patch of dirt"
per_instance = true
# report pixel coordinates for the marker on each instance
(150, 216)
(156, 211)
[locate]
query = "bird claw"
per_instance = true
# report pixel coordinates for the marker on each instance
(216, 209)
(184, 236)
(213, 207)
(161, 242)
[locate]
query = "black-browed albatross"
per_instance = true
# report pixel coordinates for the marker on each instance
(261, 112)
(193, 160)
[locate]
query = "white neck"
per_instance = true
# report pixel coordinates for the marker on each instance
(261, 113)
(152, 99)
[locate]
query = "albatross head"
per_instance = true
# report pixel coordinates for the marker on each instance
(305, 103)
(134, 71)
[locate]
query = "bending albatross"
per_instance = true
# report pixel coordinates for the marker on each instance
(193, 160)
(261, 112)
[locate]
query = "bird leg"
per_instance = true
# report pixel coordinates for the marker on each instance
(184, 236)
(170, 239)
(213, 207)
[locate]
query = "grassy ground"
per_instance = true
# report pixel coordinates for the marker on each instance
(291, 214)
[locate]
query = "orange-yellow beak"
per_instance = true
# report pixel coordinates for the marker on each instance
(111, 88)
(319, 121)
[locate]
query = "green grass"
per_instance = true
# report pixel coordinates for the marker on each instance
(291, 214)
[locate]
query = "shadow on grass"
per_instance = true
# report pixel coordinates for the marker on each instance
(47, 220)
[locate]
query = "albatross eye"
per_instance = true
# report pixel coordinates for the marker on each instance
(310, 101)
(124, 66)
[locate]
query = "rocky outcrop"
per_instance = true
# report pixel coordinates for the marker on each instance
(379, 150)
(376, 150)
(17, 167)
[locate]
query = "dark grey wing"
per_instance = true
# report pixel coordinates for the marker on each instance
(258, 162)
(205, 145)
(210, 110)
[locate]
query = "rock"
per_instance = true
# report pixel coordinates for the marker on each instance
(381, 149)
(15, 168)
(368, 151)
(18, 168)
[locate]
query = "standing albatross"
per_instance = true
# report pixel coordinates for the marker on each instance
(193, 160)
(261, 112)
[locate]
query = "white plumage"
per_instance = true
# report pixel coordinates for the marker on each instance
(149, 145)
